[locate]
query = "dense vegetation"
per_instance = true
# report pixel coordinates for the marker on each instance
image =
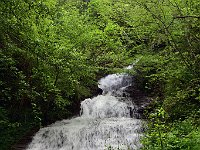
(53, 51)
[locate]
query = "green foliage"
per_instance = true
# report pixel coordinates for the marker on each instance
(170, 73)
(177, 135)
(51, 53)
(10, 131)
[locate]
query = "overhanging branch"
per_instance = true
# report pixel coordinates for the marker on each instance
(183, 17)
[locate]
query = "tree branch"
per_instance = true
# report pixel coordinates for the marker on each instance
(183, 17)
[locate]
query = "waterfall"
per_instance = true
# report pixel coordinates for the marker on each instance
(106, 121)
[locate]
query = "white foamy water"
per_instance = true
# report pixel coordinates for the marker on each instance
(106, 121)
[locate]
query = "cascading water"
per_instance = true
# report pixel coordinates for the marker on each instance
(107, 122)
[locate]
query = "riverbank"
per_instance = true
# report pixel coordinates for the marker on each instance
(22, 143)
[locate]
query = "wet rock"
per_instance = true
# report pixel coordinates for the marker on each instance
(139, 98)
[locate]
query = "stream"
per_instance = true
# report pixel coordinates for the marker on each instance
(107, 121)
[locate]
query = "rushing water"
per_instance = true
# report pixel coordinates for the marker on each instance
(106, 121)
